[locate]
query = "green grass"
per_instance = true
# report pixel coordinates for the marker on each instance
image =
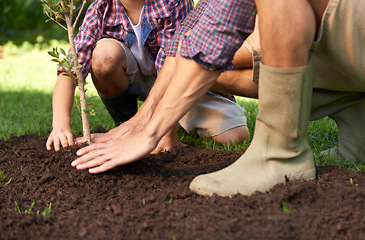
(3, 177)
(45, 212)
(27, 78)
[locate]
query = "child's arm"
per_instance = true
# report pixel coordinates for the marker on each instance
(63, 97)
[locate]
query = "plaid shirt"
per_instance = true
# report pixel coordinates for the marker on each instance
(190, 21)
(188, 24)
(108, 19)
(222, 27)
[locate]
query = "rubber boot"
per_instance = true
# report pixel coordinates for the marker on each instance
(279, 150)
(347, 109)
(121, 107)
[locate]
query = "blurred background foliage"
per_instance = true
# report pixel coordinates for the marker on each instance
(24, 21)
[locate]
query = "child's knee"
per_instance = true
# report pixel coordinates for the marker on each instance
(108, 57)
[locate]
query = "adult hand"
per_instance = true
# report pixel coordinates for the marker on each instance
(132, 126)
(101, 157)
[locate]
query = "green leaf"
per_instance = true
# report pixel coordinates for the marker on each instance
(73, 7)
(57, 2)
(52, 54)
(65, 64)
(63, 52)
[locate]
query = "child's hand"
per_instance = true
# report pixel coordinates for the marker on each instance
(60, 137)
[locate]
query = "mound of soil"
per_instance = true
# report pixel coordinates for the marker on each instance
(150, 199)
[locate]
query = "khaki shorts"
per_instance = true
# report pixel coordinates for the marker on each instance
(211, 116)
(339, 49)
(137, 80)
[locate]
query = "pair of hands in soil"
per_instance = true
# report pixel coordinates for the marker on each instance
(121, 145)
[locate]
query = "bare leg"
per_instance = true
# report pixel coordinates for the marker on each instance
(292, 23)
(108, 68)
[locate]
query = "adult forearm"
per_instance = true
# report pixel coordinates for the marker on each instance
(188, 84)
(158, 90)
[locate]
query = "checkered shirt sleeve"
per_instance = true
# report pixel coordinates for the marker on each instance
(220, 31)
(188, 24)
(179, 10)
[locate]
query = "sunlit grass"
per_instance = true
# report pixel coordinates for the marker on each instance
(27, 78)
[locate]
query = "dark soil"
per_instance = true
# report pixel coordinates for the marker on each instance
(150, 199)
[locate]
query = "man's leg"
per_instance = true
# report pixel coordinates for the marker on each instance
(336, 98)
(340, 70)
(279, 148)
(347, 109)
(109, 67)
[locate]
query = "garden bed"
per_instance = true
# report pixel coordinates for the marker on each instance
(150, 199)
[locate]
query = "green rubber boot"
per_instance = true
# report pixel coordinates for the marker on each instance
(279, 150)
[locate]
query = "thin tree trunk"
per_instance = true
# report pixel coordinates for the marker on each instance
(81, 83)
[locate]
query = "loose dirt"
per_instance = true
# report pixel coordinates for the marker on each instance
(150, 199)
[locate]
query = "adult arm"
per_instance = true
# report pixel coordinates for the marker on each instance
(189, 83)
(145, 112)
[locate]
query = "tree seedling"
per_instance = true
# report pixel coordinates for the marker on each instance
(63, 12)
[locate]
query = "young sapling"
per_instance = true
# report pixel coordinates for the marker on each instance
(63, 12)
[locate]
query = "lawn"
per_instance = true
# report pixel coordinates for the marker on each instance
(27, 78)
